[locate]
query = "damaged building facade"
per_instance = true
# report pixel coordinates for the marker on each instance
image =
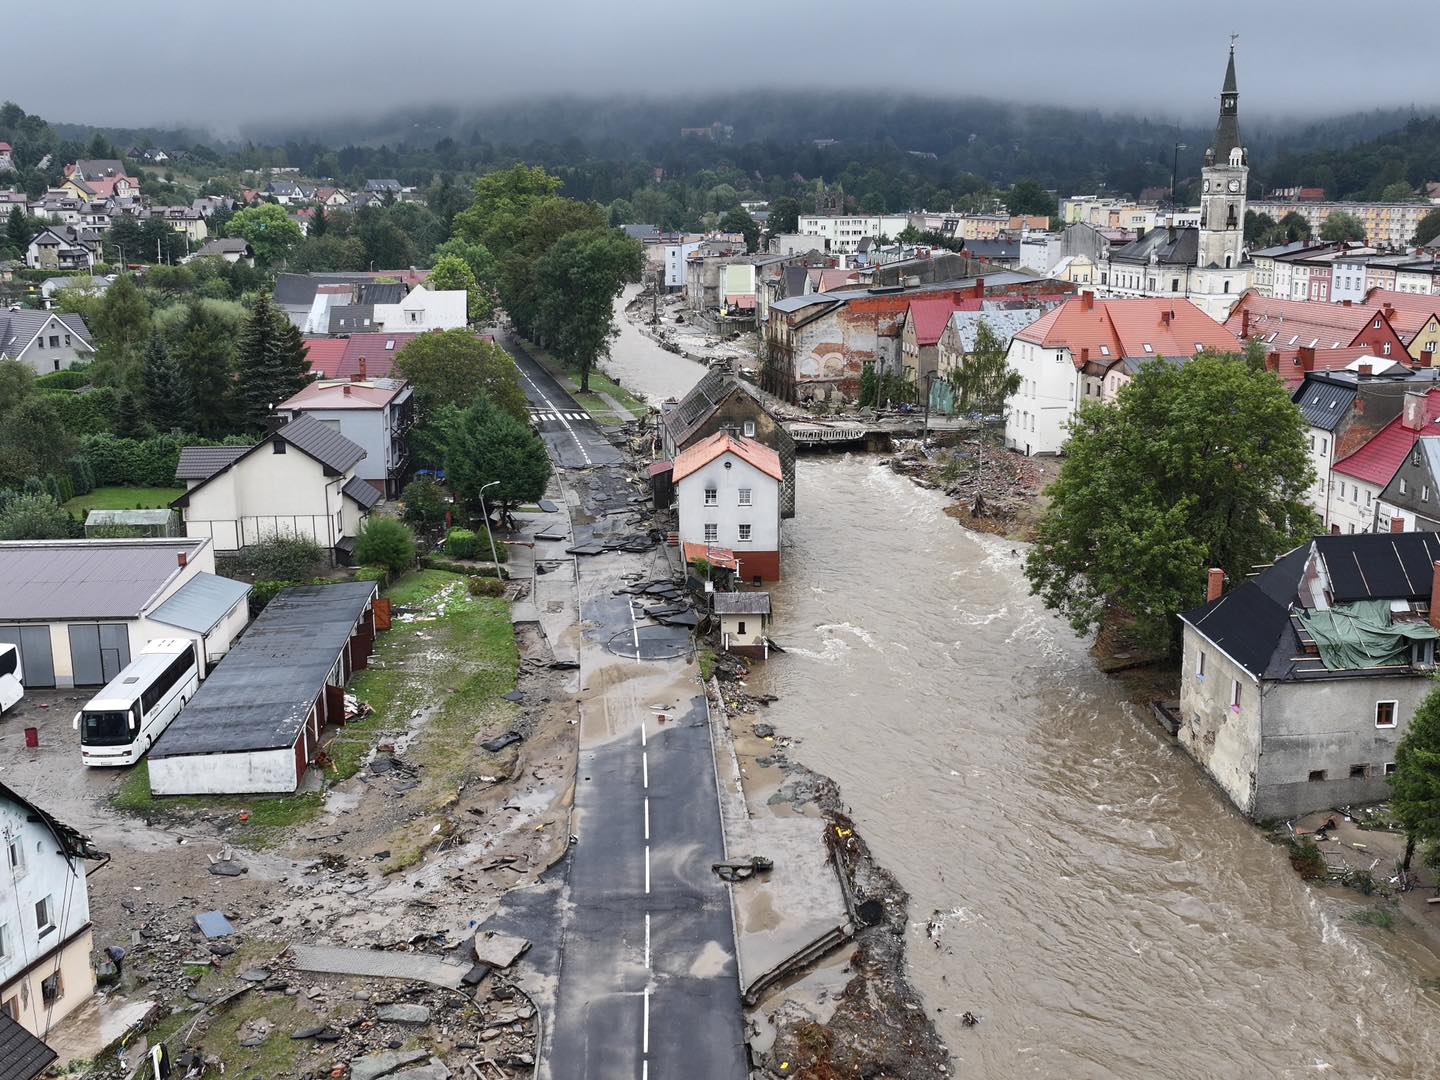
(1298, 684)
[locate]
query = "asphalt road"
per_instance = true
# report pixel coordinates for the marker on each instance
(574, 440)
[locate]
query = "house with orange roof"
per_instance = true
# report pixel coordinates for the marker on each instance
(1289, 324)
(1359, 479)
(727, 496)
(1086, 350)
(1415, 317)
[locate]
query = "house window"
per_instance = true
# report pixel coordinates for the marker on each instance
(67, 341)
(744, 496)
(11, 1008)
(1390, 768)
(749, 429)
(44, 916)
(711, 496)
(278, 446)
(1359, 772)
(740, 627)
(55, 365)
(1316, 775)
(1385, 349)
(1200, 664)
(1235, 695)
(1404, 487)
(712, 532)
(744, 533)
(4, 942)
(54, 341)
(1385, 714)
(1424, 493)
(15, 857)
(51, 990)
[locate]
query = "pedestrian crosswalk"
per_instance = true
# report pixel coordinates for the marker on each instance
(555, 414)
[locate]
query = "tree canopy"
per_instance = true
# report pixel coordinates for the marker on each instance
(450, 367)
(1196, 465)
(1415, 785)
(452, 273)
(268, 230)
(578, 279)
(1341, 225)
(484, 444)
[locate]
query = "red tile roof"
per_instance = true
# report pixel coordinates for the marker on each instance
(1377, 460)
(930, 317)
(722, 442)
(1330, 326)
(325, 354)
(715, 556)
(1411, 311)
(1112, 329)
(1292, 368)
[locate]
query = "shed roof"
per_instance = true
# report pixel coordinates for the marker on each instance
(201, 603)
(363, 492)
(22, 1055)
(721, 443)
(52, 580)
(742, 603)
(143, 518)
(260, 695)
(704, 398)
(1324, 404)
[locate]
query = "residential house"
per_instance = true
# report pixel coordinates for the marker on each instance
(331, 197)
(383, 187)
(727, 494)
(1419, 276)
(1416, 318)
(45, 929)
(1289, 324)
(7, 158)
(367, 355)
(1298, 684)
(842, 233)
(1410, 502)
(63, 247)
(183, 219)
(45, 341)
(232, 250)
(924, 321)
(744, 622)
(1358, 479)
(1066, 358)
(720, 402)
(376, 414)
(296, 293)
(297, 481)
(423, 309)
(957, 341)
(676, 258)
(80, 609)
(284, 192)
(999, 251)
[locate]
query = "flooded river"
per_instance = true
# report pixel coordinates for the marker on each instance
(1104, 911)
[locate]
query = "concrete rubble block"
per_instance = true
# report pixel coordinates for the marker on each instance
(499, 950)
(402, 1013)
(374, 1066)
(436, 1070)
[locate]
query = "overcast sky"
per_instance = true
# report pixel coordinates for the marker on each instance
(219, 63)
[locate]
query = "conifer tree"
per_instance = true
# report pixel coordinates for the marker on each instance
(270, 366)
(167, 397)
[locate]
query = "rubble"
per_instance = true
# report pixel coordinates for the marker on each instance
(990, 498)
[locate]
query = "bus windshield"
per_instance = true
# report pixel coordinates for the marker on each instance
(106, 728)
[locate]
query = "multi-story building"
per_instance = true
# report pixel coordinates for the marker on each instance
(1386, 224)
(842, 233)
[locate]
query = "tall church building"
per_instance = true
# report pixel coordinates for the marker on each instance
(1208, 265)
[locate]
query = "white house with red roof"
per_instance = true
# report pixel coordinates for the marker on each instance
(1086, 350)
(376, 414)
(727, 495)
(1358, 480)
(7, 160)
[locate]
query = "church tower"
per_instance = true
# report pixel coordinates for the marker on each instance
(1222, 184)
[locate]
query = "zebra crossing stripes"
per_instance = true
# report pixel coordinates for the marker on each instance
(548, 414)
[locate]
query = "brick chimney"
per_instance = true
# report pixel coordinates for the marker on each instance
(1245, 325)
(345, 389)
(1087, 301)
(1272, 362)
(1347, 303)
(1166, 317)
(362, 370)
(1397, 524)
(978, 290)
(1435, 597)
(1215, 583)
(1388, 308)
(1364, 370)
(1306, 355)
(1084, 354)
(181, 558)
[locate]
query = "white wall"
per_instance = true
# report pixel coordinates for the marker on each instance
(1038, 417)
(763, 515)
(44, 873)
(675, 256)
(369, 428)
(267, 494)
(424, 310)
(1321, 447)
(1353, 503)
(266, 771)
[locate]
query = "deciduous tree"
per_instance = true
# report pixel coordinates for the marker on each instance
(486, 444)
(1196, 465)
(121, 321)
(452, 367)
(35, 517)
(579, 278)
(738, 221)
(452, 273)
(1429, 227)
(1341, 225)
(1415, 785)
(982, 382)
(268, 230)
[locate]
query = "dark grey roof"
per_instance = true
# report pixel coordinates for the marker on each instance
(1168, 246)
(295, 290)
(201, 603)
(321, 441)
(383, 292)
(225, 246)
(1324, 404)
(742, 603)
(382, 185)
(51, 580)
(1227, 130)
(1250, 622)
(640, 232)
(22, 1055)
(347, 318)
(686, 418)
(992, 249)
(260, 694)
(203, 462)
(361, 491)
(18, 328)
(795, 278)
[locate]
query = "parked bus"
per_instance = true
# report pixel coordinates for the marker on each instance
(12, 677)
(122, 721)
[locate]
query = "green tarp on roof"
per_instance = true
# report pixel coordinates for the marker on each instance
(1362, 634)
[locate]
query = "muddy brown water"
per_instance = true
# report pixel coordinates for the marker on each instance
(1104, 911)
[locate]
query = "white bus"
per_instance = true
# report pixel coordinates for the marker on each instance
(123, 720)
(12, 676)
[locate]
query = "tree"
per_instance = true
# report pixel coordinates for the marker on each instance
(1398, 192)
(318, 223)
(17, 231)
(502, 199)
(486, 444)
(1342, 226)
(1292, 227)
(386, 542)
(738, 221)
(486, 271)
(452, 273)
(17, 382)
(622, 212)
(983, 381)
(167, 397)
(1259, 229)
(35, 517)
(268, 230)
(784, 216)
(529, 238)
(578, 280)
(271, 364)
(327, 254)
(386, 244)
(1415, 784)
(1429, 227)
(122, 320)
(34, 441)
(1195, 466)
(452, 367)
(201, 345)
(425, 502)
(1028, 197)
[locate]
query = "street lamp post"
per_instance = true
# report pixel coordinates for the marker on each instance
(1174, 168)
(494, 555)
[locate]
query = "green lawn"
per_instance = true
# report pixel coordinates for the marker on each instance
(462, 659)
(592, 402)
(123, 498)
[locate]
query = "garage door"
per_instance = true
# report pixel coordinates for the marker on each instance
(34, 642)
(98, 651)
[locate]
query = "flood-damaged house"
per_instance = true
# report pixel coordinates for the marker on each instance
(1298, 684)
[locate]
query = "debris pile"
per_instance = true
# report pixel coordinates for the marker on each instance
(1004, 483)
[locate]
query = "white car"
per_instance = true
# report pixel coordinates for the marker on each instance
(12, 677)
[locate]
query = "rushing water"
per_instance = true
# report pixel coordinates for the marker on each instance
(1103, 909)
(642, 366)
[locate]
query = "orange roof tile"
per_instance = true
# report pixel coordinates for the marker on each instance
(722, 442)
(1411, 311)
(1112, 329)
(715, 556)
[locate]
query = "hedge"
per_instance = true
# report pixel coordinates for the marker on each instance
(142, 462)
(462, 544)
(62, 380)
(94, 412)
(430, 562)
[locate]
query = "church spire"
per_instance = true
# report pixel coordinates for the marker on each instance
(1227, 131)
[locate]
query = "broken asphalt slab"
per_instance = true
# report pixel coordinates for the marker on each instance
(499, 950)
(374, 1066)
(376, 963)
(213, 924)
